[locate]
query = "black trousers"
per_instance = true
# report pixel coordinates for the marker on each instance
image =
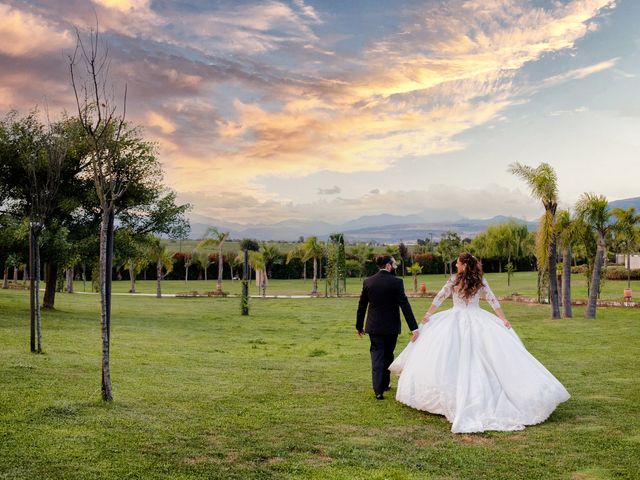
(382, 347)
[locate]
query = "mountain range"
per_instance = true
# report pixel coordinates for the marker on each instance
(383, 228)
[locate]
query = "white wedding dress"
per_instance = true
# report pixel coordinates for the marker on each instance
(467, 366)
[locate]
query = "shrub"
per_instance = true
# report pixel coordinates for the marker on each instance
(620, 273)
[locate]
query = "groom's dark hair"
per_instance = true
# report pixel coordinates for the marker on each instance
(382, 260)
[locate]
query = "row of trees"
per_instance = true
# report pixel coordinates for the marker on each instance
(592, 227)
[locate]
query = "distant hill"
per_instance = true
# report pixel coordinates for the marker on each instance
(626, 203)
(364, 229)
(383, 228)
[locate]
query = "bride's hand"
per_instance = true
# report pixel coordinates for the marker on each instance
(506, 323)
(426, 318)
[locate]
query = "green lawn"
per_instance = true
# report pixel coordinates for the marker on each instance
(523, 283)
(201, 392)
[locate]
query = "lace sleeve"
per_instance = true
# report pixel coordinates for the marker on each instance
(489, 296)
(444, 293)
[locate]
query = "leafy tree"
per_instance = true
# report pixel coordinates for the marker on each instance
(626, 230)
(543, 183)
(9, 247)
(449, 247)
(132, 252)
(36, 171)
(594, 211)
(122, 166)
(363, 254)
(404, 255)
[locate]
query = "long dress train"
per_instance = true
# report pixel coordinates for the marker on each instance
(467, 366)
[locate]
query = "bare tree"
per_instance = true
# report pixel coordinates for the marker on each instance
(105, 129)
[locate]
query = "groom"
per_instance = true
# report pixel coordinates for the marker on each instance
(384, 294)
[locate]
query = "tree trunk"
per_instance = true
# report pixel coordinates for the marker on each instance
(553, 281)
(186, 274)
(32, 293)
(159, 278)
(36, 277)
(315, 276)
(220, 267)
(415, 283)
(132, 278)
(51, 274)
(245, 284)
(5, 278)
(595, 279)
(304, 270)
(629, 270)
(70, 272)
(15, 274)
(566, 283)
(105, 297)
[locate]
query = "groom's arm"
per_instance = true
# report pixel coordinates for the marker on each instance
(362, 308)
(406, 308)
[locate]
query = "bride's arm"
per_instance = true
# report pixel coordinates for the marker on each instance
(493, 301)
(443, 294)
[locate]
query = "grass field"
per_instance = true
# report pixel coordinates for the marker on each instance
(523, 283)
(201, 392)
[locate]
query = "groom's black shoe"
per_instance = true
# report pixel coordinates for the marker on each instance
(379, 396)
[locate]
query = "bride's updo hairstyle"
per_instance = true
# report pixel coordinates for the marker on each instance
(469, 280)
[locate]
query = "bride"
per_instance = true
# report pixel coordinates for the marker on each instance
(470, 366)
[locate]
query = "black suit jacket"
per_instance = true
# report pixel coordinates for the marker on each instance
(384, 294)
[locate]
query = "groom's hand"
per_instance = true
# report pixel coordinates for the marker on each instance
(360, 333)
(414, 336)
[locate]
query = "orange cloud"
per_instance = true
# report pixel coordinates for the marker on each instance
(24, 34)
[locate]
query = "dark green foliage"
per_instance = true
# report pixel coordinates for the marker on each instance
(249, 244)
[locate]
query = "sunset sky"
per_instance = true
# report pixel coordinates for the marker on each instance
(333, 109)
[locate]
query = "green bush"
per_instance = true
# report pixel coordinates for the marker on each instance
(620, 273)
(580, 269)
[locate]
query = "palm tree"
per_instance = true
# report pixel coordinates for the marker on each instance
(215, 238)
(204, 258)
(233, 262)
(313, 250)
(189, 259)
(567, 236)
(594, 212)
(543, 183)
(626, 228)
(414, 270)
(271, 255)
(297, 252)
(158, 254)
(259, 264)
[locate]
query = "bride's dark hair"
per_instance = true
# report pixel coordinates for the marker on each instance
(469, 280)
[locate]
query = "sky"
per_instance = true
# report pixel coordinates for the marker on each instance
(265, 111)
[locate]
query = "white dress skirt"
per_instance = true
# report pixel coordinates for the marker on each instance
(467, 366)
